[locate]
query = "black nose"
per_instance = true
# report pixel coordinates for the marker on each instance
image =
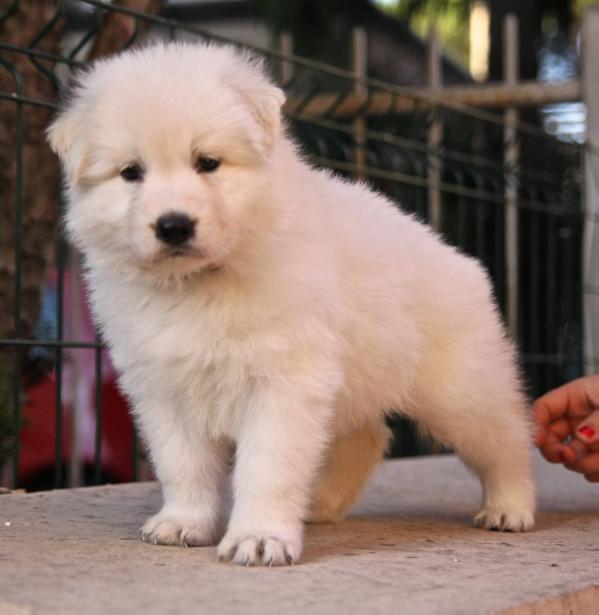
(174, 228)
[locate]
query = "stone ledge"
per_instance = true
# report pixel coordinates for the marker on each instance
(408, 547)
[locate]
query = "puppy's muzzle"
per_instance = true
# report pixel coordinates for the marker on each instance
(175, 229)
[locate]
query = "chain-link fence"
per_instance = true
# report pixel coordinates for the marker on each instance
(451, 165)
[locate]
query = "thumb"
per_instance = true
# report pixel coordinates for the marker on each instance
(588, 430)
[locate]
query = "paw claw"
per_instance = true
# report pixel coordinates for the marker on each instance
(259, 549)
(519, 520)
(171, 530)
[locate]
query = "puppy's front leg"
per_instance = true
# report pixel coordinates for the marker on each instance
(278, 452)
(192, 471)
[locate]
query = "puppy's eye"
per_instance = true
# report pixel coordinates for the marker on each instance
(132, 173)
(206, 164)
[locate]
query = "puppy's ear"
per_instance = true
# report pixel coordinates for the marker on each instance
(263, 98)
(62, 136)
(266, 106)
(63, 130)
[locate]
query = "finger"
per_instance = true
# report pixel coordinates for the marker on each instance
(555, 451)
(592, 478)
(560, 428)
(587, 465)
(577, 399)
(553, 447)
(588, 430)
(580, 449)
(550, 406)
(540, 433)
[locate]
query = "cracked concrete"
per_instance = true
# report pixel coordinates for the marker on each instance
(408, 547)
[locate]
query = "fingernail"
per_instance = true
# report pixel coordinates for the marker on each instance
(586, 432)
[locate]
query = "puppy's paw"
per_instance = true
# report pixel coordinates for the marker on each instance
(164, 529)
(260, 548)
(505, 519)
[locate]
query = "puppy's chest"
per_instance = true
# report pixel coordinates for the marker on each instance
(197, 354)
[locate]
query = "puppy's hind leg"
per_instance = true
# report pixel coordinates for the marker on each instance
(349, 463)
(486, 425)
(504, 466)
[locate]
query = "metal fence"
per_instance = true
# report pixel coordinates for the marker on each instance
(495, 184)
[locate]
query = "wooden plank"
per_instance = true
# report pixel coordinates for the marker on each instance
(525, 93)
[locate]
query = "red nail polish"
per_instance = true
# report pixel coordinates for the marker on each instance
(586, 432)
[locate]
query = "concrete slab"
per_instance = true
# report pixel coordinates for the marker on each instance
(408, 547)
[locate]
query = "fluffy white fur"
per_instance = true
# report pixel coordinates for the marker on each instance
(305, 308)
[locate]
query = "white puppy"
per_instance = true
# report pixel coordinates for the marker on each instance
(266, 313)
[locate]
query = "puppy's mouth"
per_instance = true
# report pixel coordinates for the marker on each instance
(178, 252)
(181, 253)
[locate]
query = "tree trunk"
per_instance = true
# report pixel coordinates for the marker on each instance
(23, 147)
(38, 195)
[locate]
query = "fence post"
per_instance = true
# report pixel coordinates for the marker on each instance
(360, 70)
(79, 394)
(286, 48)
(435, 133)
(590, 90)
(511, 154)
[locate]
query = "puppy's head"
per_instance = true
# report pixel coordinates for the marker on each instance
(166, 152)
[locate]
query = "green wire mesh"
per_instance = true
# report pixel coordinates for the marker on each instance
(396, 157)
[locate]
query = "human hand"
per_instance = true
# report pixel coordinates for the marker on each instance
(567, 421)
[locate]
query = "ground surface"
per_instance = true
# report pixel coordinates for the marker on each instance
(409, 547)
